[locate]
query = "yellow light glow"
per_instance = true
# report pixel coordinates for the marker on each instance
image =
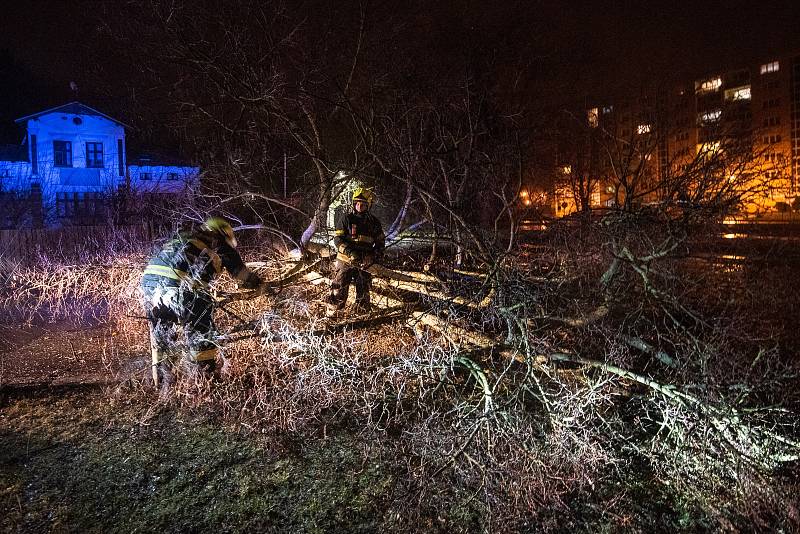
(710, 116)
(708, 86)
(738, 93)
(593, 117)
(772, 66)
(710, 148)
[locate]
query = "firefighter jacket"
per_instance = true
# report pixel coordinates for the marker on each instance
(189, 261)
(358, 235)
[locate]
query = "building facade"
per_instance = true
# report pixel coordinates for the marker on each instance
(754, 108)
(73, 159)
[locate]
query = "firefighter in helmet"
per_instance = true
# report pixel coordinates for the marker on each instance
(359, 243)
(175, 293)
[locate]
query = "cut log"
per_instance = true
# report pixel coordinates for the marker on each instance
(420, 289)
(456, 334)
(418, 277)
(316, 278)
(380, 271)
(472, 274)
(576, 322)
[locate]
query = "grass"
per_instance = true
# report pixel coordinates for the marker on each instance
(71, 461)
(76, 463)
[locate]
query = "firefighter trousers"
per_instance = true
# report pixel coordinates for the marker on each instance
(169, 308)
(345, 275)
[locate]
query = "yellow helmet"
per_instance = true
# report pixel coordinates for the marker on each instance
(218, 225)
(364, 195)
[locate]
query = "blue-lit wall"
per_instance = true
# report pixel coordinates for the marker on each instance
(76, 155)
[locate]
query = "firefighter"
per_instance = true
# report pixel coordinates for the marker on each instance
(359, 243)
(175, 293)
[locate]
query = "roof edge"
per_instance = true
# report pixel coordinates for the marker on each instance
(56, 108)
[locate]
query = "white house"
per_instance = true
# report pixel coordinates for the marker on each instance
(74, 156)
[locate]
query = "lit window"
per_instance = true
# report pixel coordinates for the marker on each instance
(710, 116)
(708, 86)
(738, 93)
(566, 169)
(643, 129)
(709, 148)
(94, 155)
(593, 117)
(62, 153)
(607, 109)
(773, 66)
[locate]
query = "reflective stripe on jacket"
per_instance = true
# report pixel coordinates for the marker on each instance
(358, 234)
(189, 260)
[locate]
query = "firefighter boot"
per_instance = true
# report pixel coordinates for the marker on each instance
(156, 357)
(161, 369)
(333, 304)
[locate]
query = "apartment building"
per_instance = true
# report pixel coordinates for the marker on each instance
(757, 105)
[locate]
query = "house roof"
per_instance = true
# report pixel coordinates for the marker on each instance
(13, 153)
(74, 108)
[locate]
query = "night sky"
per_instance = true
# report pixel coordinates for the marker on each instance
(571, 47)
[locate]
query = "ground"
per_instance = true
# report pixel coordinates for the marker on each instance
(82, 459)
(58, 354)
(86, 447)
(74, 462)
(80, 451)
